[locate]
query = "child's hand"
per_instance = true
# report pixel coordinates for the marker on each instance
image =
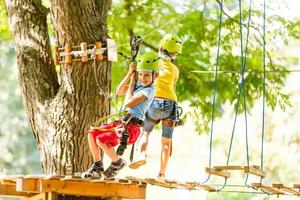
(132, 68)
(132, 79)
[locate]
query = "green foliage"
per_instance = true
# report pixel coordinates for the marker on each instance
(19, 154)
(4, 28)
(199, 31)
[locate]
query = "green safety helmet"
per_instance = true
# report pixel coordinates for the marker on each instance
(171, 43)
(148, 62)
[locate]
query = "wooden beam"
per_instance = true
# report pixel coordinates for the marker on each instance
(229, 167)
(41, 196)
(217, 172)
(253, 170)
(297, 186)
(201, 186)
(10, 190)
(27, 185)
(286, 189)
(165, 184)
(51, 196)
(93, 189)
(267, 188)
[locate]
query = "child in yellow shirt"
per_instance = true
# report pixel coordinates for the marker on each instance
(163, 107)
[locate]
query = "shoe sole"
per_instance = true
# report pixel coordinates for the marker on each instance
(137, 164)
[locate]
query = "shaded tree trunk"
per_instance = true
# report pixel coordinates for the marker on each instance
(60, 107)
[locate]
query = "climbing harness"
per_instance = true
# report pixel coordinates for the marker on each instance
(128, 118)
(173, 120)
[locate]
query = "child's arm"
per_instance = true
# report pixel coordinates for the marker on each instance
(130, 99)
(123, 87)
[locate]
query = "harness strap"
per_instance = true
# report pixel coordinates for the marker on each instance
(152, 120)
(173, 120)
(131, 153)
(123, 144)
(125, 134)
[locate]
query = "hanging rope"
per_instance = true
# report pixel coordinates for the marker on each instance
(244, 91)
(241, 89)
(215, 90)
(264, 90)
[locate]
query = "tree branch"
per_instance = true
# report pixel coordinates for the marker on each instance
(253, 27)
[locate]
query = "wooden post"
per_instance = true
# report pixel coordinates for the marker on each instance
(68, 56)
(84, 56)
(55, 56)
(99, 56)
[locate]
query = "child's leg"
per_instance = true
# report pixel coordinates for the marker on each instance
(117, 163)
(165, 155)
(97, 167)
(109, 151)
(95, 150)
(166, 145)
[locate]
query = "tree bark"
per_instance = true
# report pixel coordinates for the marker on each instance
(60, 107)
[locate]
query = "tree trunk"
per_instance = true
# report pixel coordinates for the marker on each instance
(60, 107)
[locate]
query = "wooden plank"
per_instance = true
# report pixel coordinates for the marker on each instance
(41, 196)
(267, 188)
(164, 184)
(286, 189)
(254, 171)
(202, 186)
(27, 185)
(135, 180)
(10, 190)
(8, 182)
(229, 167)
(297, 186)
(93, 189)
(54, 177)
(217, 172)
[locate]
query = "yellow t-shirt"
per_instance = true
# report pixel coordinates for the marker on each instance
(166, 81)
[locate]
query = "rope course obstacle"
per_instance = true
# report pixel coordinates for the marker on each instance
(35, 187)
(41, 187)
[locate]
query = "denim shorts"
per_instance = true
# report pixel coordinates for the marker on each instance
(159, 109)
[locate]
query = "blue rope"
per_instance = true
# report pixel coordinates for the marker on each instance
(242, 88)
(245, 108)
(264, 91)
(215, 90)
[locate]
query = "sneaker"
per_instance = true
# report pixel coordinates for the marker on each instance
(93, 172)
(140, 161)
(114, 168)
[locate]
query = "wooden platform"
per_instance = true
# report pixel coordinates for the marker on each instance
(44, 187)
(172, 184)
(39, 187)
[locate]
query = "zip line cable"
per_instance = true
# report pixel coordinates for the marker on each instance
(246, 72)
(169, 22)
